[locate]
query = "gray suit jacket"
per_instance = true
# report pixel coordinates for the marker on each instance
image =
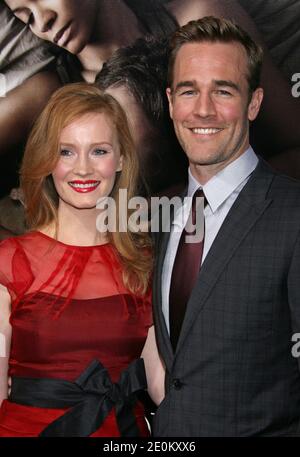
(233, 373)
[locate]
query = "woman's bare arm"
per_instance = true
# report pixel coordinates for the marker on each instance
(155, 369)
(5, 339)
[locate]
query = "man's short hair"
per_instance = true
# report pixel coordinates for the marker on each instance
(212, 29)
(141, 67)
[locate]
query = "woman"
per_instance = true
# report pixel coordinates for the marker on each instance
(75, 301)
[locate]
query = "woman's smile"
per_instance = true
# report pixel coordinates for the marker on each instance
(84, 186)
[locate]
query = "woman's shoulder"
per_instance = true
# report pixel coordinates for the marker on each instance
(15, 263)
(8, 245)
(18, 240)
(29, 242)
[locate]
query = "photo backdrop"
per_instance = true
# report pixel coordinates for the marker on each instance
(127, 56)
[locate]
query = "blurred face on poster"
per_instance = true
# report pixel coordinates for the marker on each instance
(144, 134)
(158, 152)
(67, 23)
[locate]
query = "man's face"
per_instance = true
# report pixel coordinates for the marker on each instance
(209, 103)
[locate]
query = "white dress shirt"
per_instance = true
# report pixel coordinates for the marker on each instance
(221, 192)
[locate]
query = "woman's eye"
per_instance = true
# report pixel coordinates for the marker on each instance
(30, 19)
(65, 152)
(25, 16)
(99, 152)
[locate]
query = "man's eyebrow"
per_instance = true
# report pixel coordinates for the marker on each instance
(217, 82)
(184, 84)
(227, 83)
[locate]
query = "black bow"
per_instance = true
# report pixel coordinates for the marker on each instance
(91, 398)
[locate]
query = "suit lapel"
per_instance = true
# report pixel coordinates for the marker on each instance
(160, 324)
(247, 209)
(161, 328)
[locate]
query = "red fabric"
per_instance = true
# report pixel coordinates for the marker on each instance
(69, 306)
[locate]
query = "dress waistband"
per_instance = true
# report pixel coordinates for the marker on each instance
(91, 397)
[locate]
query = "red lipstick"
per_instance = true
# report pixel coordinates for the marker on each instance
(84, 187)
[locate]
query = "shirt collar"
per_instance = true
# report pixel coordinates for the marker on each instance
(224, 183)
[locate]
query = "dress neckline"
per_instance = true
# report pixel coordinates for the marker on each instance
(49, 238)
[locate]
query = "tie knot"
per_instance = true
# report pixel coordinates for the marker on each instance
(198, 194)
(195, 203)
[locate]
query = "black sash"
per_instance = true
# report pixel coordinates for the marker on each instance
(91, 397)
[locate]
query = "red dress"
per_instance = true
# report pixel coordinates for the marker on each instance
(69, 307)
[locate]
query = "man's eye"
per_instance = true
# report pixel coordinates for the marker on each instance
(223, 92)
(188, 92)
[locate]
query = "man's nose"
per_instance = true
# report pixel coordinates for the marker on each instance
(204, 105)
(43, 20)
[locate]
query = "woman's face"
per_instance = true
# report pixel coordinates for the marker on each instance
(89, 158)
(66, 23)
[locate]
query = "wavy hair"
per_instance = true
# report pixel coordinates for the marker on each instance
(42, 154)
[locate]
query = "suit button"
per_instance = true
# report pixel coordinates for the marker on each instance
(177, 384)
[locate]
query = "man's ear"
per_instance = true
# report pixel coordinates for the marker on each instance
(169, 95)
(255, 103)
(120, 163)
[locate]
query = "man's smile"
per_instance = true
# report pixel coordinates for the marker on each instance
(205, 131)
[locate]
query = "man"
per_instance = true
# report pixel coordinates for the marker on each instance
(225, 333)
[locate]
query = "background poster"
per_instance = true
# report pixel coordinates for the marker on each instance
(73, 39)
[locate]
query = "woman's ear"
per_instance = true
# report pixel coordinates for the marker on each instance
(120, 163)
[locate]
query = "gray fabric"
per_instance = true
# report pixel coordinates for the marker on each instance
(237, 376)
(22, 54)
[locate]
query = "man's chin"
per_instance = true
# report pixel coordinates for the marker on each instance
(205, 161)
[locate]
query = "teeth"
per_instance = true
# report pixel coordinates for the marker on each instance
(205, 131)
(83, 186)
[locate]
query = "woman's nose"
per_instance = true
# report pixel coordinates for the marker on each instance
(83, 166)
